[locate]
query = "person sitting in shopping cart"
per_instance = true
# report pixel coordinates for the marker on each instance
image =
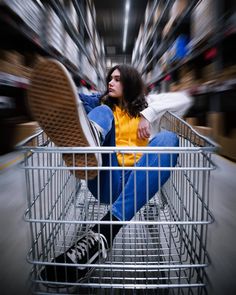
(123, 116)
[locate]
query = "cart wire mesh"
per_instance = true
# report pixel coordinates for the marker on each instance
(162, 250)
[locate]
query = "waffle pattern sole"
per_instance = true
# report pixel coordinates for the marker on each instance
(52, 99)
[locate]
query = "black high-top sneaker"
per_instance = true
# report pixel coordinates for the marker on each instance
(89, 249)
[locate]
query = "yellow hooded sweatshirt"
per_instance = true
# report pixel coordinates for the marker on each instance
(126, 135)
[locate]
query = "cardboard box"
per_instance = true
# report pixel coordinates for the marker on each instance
(168, 27)
(215, 120)
(25, 130)
(55, 32)
(227, 146)
(157, 13)
(209, 72)
(90, 21)
(12, 57)
(193, 121)
(147, 12)
(227, 143)
(73, 15)
(204, 130)
(178, 8)
(203, 20)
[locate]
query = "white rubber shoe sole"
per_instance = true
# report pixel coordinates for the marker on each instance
(54, 103)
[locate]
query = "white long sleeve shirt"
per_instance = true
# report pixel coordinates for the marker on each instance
(175, 102)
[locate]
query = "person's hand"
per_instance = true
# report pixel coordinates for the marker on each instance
(143, 128)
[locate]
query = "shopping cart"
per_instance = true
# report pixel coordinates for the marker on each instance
(162, 250)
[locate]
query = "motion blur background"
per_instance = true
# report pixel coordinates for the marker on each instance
(175, 44)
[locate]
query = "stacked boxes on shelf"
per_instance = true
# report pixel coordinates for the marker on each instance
(97, 49)
(29, 12)
(71, 49)
(41, 17)
(12, 62)
(157, 14)
(194, 60)
(102, 63)
(224, 136)
(72, 15)
(203, 130)
(55, 32)
(209, 72)
(88, 70)
(25, 130)
(137, 48)
(176, 10)
(216, 129)
(228, 73)
(16, 64)
(187, 77)
(203, 22)
(89, 18)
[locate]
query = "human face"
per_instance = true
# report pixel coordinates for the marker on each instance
(115, 87)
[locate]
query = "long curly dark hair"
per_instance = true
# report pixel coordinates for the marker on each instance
(133, 101)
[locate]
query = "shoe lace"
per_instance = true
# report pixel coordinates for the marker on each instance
(87, 242)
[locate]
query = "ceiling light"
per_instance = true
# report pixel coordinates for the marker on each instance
(127, 6)
(126, 22)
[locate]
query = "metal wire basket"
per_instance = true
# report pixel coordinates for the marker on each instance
(162, 250)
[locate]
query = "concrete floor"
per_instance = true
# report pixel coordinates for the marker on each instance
(15, 238)
(221, 234)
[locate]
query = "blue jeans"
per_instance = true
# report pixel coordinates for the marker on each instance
(129, 190)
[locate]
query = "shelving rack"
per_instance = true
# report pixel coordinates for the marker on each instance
(49, 28)
(205, 65)
(36, 38)
(60, 29)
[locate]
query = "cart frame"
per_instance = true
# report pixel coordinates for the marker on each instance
(162, 249)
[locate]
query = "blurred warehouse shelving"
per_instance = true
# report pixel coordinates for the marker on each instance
(65, 30)
(181, 45)
(190, 45)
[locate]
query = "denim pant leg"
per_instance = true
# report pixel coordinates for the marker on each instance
(107, 185)
(103, 116)
(142, 185)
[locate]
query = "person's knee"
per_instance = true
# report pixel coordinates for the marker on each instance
(105, 109)
(165, 138)
(102, 115)
(171, 137)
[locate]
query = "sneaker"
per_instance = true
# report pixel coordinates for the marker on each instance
(90, 248)
(54, 103)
